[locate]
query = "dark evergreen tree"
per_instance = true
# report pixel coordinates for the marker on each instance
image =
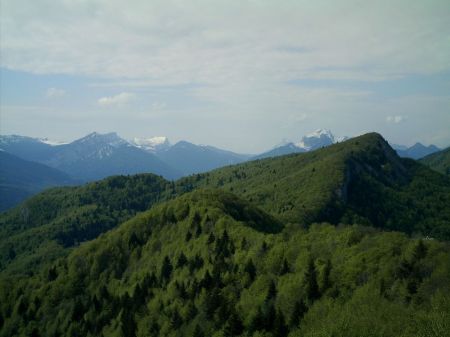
(198, 332)
(257, 321)
(198, 230)
(284, 267)
(166, 269)
(52, 274)
(212, 301)
(419, 251)
(188, 236)
(182, 260)
(297, 314)
(310, 281)
(234, 325)
(175, 319)
(207, 281)
(250, 269)
(244, 244)
(271, 292)
(326, 282)
(279, 325)
(211, 238)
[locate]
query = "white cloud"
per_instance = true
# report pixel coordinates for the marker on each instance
(55, 92)
(117, 100)
(395, 119)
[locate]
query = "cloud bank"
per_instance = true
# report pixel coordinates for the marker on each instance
(172, 42)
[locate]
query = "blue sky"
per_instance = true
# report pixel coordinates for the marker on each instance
(240, 75)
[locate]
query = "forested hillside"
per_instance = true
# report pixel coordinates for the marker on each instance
(439, 161)
(211, 264)
(300, 245)
(45, 226)
(360, 181)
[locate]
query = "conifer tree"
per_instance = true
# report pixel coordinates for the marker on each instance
(326, 282)
(284, 267)
(182, 260)
(198, 332)
(211, 238)
(250, 269)
(166, 269)
(297, 314)
(310, 281)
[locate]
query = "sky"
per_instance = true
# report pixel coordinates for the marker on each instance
(240, 75)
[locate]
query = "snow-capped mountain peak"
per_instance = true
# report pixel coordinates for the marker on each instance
(320, 133)
(152, 144)
(316, 139)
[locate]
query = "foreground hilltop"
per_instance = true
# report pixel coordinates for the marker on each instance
(211, 264)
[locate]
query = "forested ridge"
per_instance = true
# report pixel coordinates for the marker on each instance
(439, 161)
(349, 240)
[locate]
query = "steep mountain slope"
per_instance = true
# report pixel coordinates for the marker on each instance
(211, 264)
(190, 158)
(27, 148)
(20, 179)
(361, 180)
(44, 226)
(439, 161)
(416, 151)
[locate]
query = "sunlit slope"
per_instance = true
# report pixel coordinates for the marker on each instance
(211, 264)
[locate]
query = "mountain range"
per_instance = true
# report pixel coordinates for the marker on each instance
(416, 151)
(97, 156)
(348, 240)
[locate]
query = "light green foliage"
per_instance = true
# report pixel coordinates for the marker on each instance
(118, 284)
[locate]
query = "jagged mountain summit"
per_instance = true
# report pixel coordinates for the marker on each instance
(316, 140)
